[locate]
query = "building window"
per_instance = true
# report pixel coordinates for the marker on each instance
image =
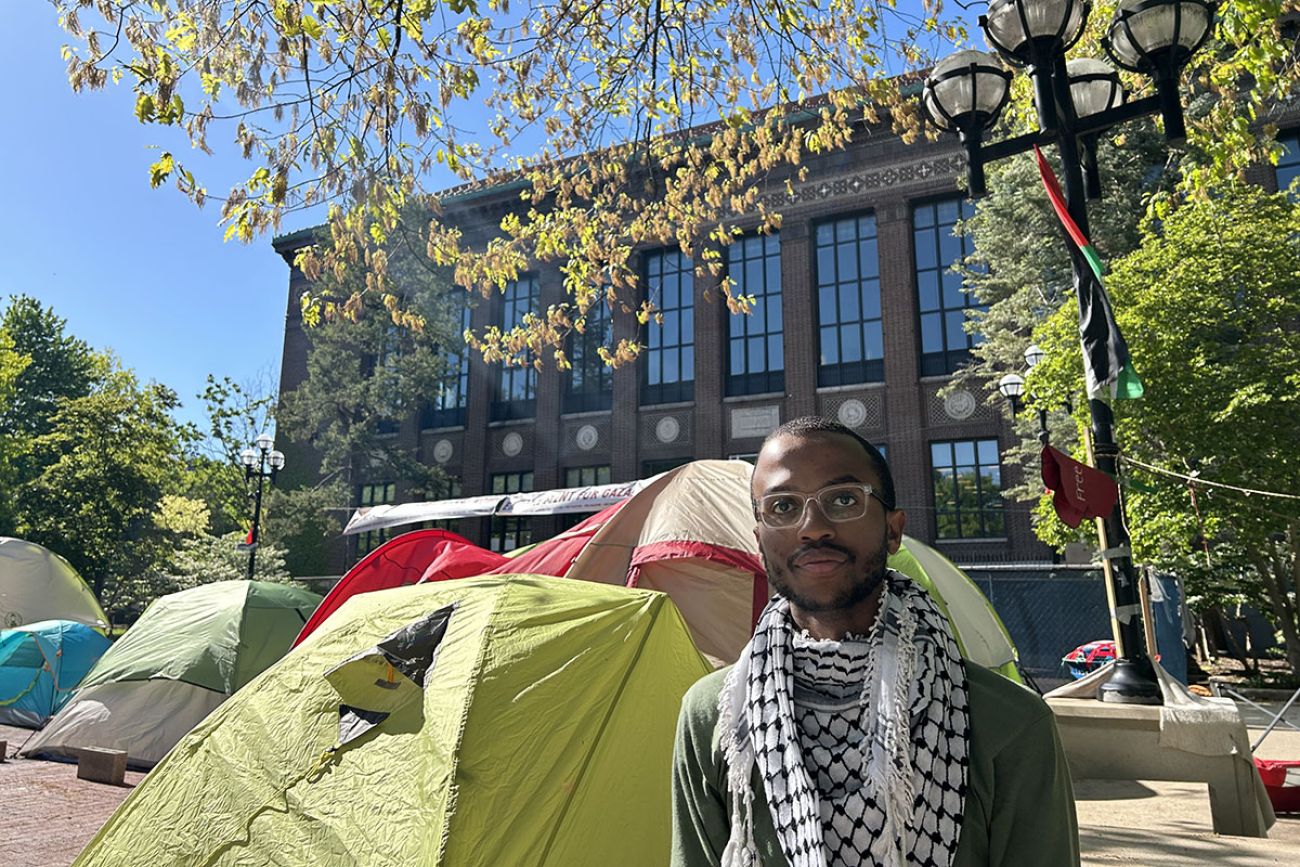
(1288, 165)
(378, 494)
(508, 534)
(967, 477)
(516, 395)
(448, 407)
(943, 303)
(850, 340)
(755, 343)
(447, 488)
(589, 385)
(581, 477)
(670, 355)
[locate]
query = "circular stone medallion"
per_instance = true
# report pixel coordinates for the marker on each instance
(587, 437)
(668, 429)
(852, 413)
(959, 405)
(512, 444)
(442, 451)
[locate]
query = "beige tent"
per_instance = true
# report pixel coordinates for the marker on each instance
(36, 584)
(690, 534)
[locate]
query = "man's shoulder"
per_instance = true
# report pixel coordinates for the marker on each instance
(701, 700)
(1001, 711)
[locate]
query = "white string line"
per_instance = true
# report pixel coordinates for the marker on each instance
(1200, 481)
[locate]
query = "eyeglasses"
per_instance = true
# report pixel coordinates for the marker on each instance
(845, 502)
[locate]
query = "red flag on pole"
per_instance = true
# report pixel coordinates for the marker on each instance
(248, 540)
(1079, 490)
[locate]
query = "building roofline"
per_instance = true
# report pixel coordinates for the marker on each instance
(910, 84)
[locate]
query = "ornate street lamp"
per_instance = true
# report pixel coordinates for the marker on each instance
(1075, 104)
(256, 465)
(1012, 386)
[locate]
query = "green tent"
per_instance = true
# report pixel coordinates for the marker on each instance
(186, 654)
(505, 720)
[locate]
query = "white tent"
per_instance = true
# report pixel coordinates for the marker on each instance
(36, 584)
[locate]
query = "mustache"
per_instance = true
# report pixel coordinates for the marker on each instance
(819, 546)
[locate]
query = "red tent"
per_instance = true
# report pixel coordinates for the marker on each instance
(395, 563)
(556, 555)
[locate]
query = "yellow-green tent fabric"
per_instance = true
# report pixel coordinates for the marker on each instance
(980, 633)
(507, 720)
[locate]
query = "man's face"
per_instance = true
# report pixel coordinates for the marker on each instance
(818, 564)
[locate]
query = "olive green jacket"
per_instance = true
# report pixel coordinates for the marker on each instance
(1019, 805)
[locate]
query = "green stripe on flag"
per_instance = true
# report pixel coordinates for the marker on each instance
(1090, 253)
(1129, 386)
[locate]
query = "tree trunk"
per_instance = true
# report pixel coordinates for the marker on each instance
(1274, 572)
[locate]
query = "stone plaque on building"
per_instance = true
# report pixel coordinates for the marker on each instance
(442, 451)
(852, 413)
(587, 437)
(754, 421)
(512, 444)
(959, 405)
(668, 429)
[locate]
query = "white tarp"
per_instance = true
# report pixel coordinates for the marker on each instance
(382, 517)
(561, 501)
(568, 501)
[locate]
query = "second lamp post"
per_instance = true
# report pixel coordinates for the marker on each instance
(256, 465)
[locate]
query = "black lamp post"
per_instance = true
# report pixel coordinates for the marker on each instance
(1076, 102)
(256, 463)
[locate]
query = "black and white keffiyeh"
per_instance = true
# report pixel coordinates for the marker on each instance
(861, 744)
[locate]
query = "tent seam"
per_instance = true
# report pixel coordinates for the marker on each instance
(453, 793)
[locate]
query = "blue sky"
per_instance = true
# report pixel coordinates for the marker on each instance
(134, 269)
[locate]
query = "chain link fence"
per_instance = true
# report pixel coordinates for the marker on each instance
(1048, 610)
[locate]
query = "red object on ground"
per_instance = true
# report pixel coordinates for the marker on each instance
(395, 563)
(1080, 491)
(1093, 651)
(1282, 782)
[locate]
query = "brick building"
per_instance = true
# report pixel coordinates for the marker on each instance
(857, 319)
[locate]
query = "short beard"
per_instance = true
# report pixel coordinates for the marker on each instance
(852, 596)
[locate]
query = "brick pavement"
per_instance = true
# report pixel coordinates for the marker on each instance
(49, 814)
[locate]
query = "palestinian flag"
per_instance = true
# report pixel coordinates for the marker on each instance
(1105, 354)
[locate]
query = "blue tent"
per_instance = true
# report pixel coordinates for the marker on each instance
(40, 665)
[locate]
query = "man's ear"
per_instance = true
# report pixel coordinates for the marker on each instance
(895, 522)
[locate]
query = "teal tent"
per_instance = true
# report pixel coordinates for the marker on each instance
(40, 665)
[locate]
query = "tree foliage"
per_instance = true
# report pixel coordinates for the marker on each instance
(1210, 304)
(593, 110)
(106, 462)
(365, 377)
(60, 366)
(206, 558)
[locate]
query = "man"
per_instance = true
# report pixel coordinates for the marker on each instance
(850, 732)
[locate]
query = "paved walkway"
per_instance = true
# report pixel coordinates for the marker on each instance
(1156, 824)
(49, 813)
